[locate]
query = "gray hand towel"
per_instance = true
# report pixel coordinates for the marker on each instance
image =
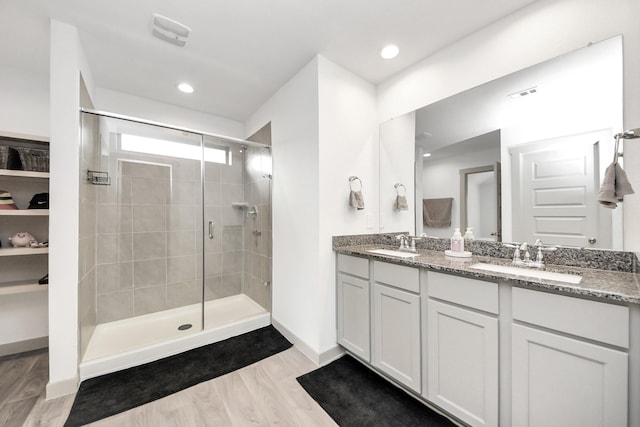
(401, 203)
(437, 212)
(356, 200)
(615, 186)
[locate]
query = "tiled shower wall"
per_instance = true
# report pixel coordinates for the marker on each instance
(150, 241)
(258, 233)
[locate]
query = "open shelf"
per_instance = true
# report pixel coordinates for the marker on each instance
(23, 251)
(25, 212)
(11, 288)
(26, 174)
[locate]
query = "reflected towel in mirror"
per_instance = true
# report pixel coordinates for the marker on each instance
(401, 203)
(437, 212)
(615, 186)
(356, 200)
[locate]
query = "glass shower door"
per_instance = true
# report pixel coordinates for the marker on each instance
(149, 244)
(235, 230)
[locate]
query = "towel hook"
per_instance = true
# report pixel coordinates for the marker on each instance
(352, 179)
(397, 187)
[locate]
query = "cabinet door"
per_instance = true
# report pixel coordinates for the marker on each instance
(353, 315)
(396, 334)
(462, 363)
(560, 381)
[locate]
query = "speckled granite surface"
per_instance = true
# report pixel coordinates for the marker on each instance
(596, 283)
(572, 257)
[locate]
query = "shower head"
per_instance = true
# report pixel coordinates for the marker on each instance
(629, 134)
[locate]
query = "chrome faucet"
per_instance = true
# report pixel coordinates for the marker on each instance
(526, 257)
(407, 243)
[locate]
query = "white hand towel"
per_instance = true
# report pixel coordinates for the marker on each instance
(615, 186)
(356, 200)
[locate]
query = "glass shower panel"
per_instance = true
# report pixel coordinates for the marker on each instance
(149, 230)
(237, 238)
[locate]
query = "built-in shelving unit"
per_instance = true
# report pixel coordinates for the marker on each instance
(21, 268)
(25, 174)
(25, 212)
(21, 287)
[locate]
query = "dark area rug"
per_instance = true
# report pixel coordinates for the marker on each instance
(111, 394)
(353, 395)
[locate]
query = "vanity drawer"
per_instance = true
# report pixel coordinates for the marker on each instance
(353, 265)
(607, 323)
(399, 276)
(472, 293)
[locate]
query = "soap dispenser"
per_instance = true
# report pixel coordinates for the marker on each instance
(468, 235)
(457, 242)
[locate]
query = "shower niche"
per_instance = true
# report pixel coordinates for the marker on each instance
(168, 259)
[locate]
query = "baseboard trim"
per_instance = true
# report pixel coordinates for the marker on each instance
(319, 359)
(62, 388)
(22, 346)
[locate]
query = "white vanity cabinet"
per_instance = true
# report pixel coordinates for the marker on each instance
(353, 305)
(396, 322)
(569, 361)
(461, 347)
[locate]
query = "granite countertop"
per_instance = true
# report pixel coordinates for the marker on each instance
(600, 284)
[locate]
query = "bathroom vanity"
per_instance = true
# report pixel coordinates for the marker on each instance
(492, 348)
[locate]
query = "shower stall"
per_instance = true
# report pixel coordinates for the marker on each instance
(175, 240)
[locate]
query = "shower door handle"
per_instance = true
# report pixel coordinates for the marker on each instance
(211, 229)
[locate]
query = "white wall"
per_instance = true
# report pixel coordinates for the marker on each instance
(293, 112)
(348, 146)
(25, 102)
(542, 31)
(142, 108)
(323, 131)
(67, 64)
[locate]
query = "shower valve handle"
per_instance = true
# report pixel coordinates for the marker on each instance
(211, 228)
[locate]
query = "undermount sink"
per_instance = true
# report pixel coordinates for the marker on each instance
(393, 253)
(525, 272)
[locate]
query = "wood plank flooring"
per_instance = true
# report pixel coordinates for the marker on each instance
(263, 394)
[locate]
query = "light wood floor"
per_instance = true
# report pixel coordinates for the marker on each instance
(263, 394)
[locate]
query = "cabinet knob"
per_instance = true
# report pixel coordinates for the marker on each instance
(592, 240)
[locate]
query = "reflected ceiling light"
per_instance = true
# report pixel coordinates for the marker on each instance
(426, 155)
(185, 87)
(389, 51)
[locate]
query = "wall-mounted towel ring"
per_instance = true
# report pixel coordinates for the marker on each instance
(351, 181)
(398, 192)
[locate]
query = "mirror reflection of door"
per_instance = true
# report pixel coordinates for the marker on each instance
(555, 200)
(480, 202)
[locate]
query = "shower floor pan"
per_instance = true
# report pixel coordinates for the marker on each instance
(131, 342)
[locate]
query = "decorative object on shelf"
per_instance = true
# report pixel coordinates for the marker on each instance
(21, 240)
(6, 201)
(44, 280)
(36, 244)
(355, 196)
(98, 177)
(39, 201)
(401, 197)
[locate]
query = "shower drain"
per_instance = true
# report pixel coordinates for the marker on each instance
(184, 327)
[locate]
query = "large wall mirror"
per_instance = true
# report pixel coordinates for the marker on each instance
(517, 159)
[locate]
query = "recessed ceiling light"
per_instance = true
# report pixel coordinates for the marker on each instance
(389, 51)
(426, 155)
(185, 87)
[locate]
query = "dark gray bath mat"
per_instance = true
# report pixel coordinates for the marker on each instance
(354, 396)
(111, 394)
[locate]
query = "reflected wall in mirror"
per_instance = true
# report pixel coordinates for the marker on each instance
(550, 127)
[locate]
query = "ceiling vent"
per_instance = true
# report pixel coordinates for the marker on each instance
(169, 30)
(524, 92)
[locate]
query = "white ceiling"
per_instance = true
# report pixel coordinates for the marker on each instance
(240, 51)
